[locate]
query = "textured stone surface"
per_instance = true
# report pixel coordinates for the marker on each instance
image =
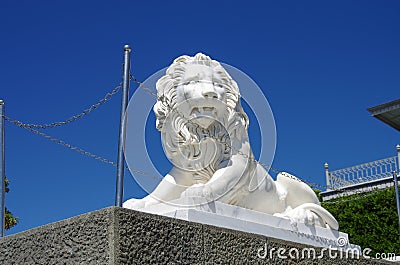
(80, 240)
(224, 246)
(153, 239)
(117, 236)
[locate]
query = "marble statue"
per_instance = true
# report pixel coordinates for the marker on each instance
(204, 134)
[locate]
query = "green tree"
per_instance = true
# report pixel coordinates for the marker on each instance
(10, 220)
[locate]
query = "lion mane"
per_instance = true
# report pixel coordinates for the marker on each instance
(184, 136)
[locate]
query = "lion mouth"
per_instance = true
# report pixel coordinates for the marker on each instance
(203, 110)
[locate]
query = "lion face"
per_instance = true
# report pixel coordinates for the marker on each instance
(200, 96)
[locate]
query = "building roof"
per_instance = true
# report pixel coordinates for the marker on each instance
(388, 112)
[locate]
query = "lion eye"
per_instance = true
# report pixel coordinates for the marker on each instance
(218, 85)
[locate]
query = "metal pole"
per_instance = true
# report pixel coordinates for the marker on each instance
(327, 178)
(2, 171)
(398, 158)
(396, 186)
(122, 129)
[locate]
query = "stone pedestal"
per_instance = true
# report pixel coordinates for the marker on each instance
(218, 214)
(115, 235)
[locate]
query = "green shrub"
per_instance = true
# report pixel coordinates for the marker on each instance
(10, 220)
(370, 220)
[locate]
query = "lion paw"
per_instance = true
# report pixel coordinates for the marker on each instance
(199, 190)
(136, 204)
(299, 215)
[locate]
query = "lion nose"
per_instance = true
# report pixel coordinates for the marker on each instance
(210, 94)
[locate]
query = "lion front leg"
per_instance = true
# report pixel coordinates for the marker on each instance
(221, 183)
(211, 190)
(170, 188)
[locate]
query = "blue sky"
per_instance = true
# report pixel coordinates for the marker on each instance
(320, 64)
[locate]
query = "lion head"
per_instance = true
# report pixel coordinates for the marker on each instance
(198, 99)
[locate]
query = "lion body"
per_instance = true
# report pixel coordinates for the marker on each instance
(210, 149)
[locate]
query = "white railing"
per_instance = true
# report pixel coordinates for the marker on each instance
(366, 172)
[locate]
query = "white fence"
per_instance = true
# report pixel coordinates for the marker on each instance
(362, 173)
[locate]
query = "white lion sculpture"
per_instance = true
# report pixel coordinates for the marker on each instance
(204, 134)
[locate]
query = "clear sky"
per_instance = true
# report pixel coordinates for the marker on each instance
(320, 64)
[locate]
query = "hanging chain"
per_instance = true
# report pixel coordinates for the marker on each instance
(142, 86)
(86, 153)
(32, 128)
(107, 97)
(69, 146)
